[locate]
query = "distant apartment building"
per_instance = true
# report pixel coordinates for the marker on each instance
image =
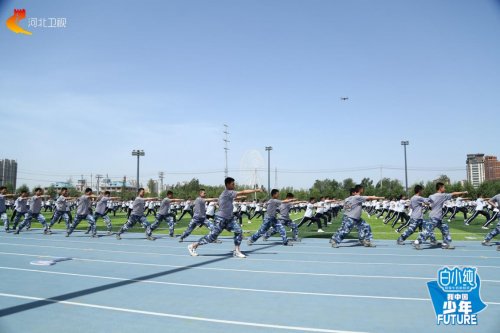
(475, 169)
(60, 185)
(491, 168)
(8, 173)
(118, 186)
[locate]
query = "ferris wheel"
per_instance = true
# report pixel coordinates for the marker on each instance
(251, 167)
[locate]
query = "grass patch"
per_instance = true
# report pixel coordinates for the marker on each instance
(458, 230)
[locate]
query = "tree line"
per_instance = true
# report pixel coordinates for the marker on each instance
(386, 187)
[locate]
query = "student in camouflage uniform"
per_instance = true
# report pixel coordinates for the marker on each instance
(61, 209)
(285, 220)
(353, 206)
(21, 209)
(83, 212)
(137, 215)
(101, 210)
(270, 219)
(416, 218)
(3, 207)
(200, 215)
(164, 214)
(436, 202)
(35, 207)
(224, 220)
(495, 202)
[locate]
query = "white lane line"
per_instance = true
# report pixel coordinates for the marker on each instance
(122, 243)
(231, 288)
(321, 262)
(358, 276)
(333, 252)
(219, 287)
(170, 315)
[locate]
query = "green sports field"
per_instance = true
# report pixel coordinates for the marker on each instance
(458, 230)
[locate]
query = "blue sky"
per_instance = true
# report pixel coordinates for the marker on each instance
(164, 76)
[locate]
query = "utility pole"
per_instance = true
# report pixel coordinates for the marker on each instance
(98, 177)
(275, 177)
(268, 149)
(226, 141)
(404, 144)
(381, 182)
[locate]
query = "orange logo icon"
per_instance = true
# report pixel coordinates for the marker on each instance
(12, 22)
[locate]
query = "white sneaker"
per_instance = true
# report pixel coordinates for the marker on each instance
(192, 250)
(238, 254)
(320, 230)
(485, 228)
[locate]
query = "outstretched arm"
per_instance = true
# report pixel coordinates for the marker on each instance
(455, 194)
(494, 204)
(244, 192)
(372, 197)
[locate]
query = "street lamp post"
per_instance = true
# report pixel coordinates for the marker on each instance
(404, 144)
(268, 149)
(138, 153)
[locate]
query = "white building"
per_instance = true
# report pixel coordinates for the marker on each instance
(475, 169)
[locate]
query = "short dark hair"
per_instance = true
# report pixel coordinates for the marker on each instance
(228, 181)
(352, 191)
(274, 191)
(63, 189)
(88, 190)
(439, 185)
(289, 195)
(3, 188)
(107, 193)
(418, 188)
(140, 189)
(358, 188)
(201, 190)
(37, 189)
(311, 199)
(170, 193)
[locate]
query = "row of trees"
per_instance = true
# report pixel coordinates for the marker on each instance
(389, 188)
(392, 188)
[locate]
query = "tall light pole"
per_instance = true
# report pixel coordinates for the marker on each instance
(226, 140)
(268, 149)
(404, 144)
(138, 153)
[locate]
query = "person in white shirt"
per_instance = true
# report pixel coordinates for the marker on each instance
(151, 209)
(258, 211)
(480, 204)
(493, 218)
(309, 215)
(400, 212)
(188, 209)
(458, 207)
(211, 210)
